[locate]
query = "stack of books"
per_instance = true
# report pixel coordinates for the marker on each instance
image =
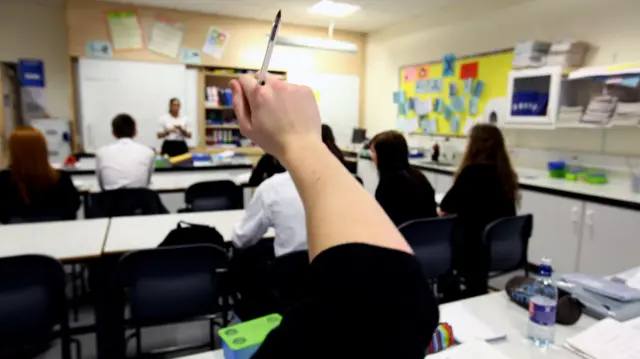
(627, 114)
(600, 110)
(569, 114)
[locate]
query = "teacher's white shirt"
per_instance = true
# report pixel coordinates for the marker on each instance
(124, 164)
(276, 203)
(168, 122)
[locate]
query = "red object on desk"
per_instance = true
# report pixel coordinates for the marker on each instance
(70, 161)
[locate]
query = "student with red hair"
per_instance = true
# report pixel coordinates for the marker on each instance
(30, 189)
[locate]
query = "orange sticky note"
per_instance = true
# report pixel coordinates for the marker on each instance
(423, 72)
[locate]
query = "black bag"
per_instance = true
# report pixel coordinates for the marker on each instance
(189, 233)
(568, 311)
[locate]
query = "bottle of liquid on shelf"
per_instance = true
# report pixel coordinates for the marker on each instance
(542, 307)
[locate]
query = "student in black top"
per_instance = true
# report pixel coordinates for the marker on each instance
(266, 167)
(330, 141)
(359, 261)
(403, 192)
(485, 189)
(30, 190)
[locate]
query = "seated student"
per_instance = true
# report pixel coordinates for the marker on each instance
(266, 167)
(485, 189)
(330, 141)
(124, 163)
(403, 192)
(30, 189)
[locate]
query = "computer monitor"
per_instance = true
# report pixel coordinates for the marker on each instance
(359, 135)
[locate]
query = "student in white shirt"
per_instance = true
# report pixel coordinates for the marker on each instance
(275, 203)
(174, 129)
(124, 163)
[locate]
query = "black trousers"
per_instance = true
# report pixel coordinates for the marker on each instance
(173, 148)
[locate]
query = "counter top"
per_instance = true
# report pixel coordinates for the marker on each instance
(616, 193)
(243, 163)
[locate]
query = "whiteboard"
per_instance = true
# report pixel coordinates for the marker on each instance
(338, 100)
(107, 88)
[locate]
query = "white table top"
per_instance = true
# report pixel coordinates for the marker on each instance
(143, 232)
(64, 240)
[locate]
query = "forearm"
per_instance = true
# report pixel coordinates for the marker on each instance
(338, 209)
(162, 134)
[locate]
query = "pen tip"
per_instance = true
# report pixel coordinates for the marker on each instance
(279, 13)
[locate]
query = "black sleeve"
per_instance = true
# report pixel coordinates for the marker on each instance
(387, 198)
(366, 301)
(459, 192)
(68, 194)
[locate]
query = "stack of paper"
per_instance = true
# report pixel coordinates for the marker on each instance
(600, 110)
(568, 114)
(627, 114)
(477, 349)
(466, 326)
(607, 339)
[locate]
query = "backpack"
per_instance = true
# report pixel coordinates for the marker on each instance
(189, 233)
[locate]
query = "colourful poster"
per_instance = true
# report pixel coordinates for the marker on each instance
(125, 31)
(469, 71)
(215, 42)
(166, 37)
(448, 65)
(422, 86)
(423, 72)
(410, 74)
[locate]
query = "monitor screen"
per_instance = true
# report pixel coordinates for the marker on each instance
(359, 135)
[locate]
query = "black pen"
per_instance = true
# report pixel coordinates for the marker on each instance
(270, 45)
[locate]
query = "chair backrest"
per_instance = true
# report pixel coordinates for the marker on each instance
(431, 240)
(359, 179)
(507, 241)
(173, 283)
(32, 299)
(123, 202)
(290, 277)
(213, 196)
(35, 219)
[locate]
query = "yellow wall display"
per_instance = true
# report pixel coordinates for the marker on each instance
(442, 96)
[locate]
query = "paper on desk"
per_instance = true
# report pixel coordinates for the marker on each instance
(476, 349)
(634, 282)
(607, 339)
(466, 326)
(242, 179)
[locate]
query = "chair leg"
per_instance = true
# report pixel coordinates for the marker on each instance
(212, 339)
(138, 342)
(74, 292)
(78, 345)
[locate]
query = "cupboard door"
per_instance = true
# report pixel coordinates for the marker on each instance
(556, 229)
(611, 239)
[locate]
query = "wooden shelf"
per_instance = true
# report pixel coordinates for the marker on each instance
(233, 127)
(234, 76)
(213, 107)
(249, 151)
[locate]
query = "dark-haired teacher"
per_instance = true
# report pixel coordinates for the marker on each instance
(175, 130)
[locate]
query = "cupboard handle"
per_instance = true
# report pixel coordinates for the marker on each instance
(588, 219)
(574, 214)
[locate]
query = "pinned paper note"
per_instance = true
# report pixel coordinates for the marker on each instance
(410, 103)
(469, 71)
(422, 86)
(99, 49)
(453, 89)
(423, 107)
(448, 65)
(398, 97)
(473, 106)
(409, 74)
(457, 103)
(448, 112)
(435, 86)
(477, 89)
(439, 105)
(403, 109)
(190, 56)
(468, 86)
(454, 124)
(423, 72)
(407, 125)
(428, 125)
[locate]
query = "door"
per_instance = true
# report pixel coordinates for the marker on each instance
(556, 229)
(611, 240)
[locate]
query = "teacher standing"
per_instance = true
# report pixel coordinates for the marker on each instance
(174, 129)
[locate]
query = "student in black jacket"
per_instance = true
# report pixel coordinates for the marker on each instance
(485, 189)
(30, 190)
(403, 192)
(359, 261)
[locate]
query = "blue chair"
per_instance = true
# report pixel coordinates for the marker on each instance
(173, 285)
(33, 303)
(213, 196)
(507, 242)
(431, 240)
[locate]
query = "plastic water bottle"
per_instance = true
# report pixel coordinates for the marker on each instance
(542, 307)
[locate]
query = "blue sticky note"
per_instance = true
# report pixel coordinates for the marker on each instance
(454, 124)
(477, 89)
(448, 65)
(435, 85)
(410, 103)
(428, 125)
(448, 112)
(422, 86)
(398, 97)
(458, 103)
(473, 106)
(468, 86)
(439, 105)
(403, 109)
(453, 89)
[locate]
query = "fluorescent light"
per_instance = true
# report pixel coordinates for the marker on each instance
(332, 8)
(317, 43)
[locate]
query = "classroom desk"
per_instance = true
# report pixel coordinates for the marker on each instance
(63, 240)
(497, 311)
(144, 232)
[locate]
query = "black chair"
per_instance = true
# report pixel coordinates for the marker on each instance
(173, 285)
(507, 242)
(123, 202)
(290, 277)
(359, 179)
(352, 166)
(432, 242)
(36, 218)
(33, 304)
(213, 196)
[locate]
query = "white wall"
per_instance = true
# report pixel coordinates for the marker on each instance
(472, 27)
(36, 29)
